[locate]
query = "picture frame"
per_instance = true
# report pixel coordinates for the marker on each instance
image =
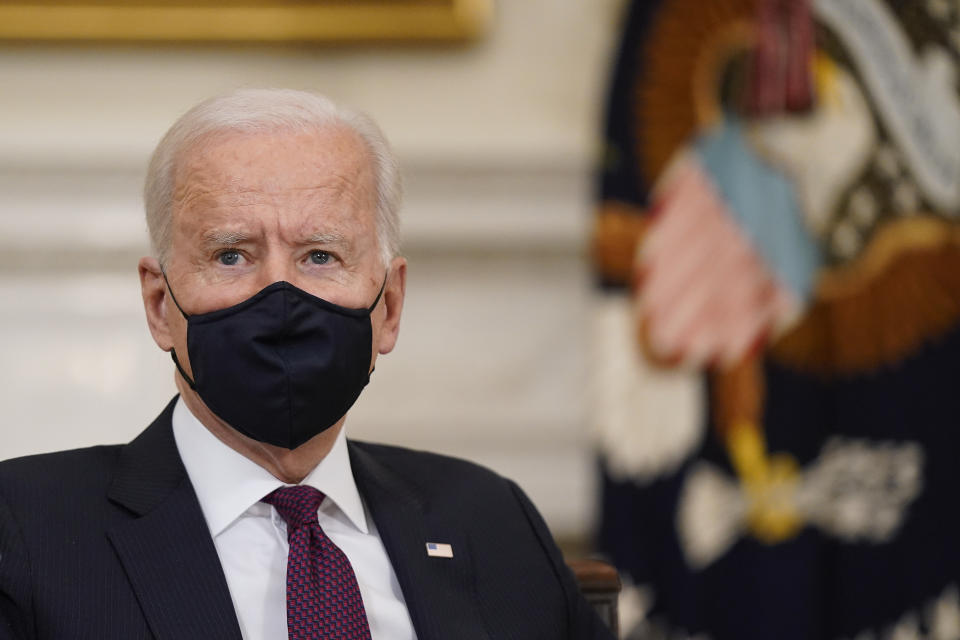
(266, 21)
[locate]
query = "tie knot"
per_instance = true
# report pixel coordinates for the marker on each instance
(296, 505)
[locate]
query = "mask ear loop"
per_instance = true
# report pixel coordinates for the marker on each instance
(173, 297)
(374, 306)
(369, 309)
(173, 352)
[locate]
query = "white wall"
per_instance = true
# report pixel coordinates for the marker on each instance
(497, 141)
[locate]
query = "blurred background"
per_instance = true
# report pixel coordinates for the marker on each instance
(688, 271)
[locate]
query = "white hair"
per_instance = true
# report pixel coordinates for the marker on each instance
(267, 110)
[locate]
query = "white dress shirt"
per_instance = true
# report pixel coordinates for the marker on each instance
(251, 537)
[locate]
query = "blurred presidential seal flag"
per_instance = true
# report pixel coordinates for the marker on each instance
(777, 251)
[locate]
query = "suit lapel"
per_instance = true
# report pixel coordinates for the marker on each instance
(167, 550)
(439, 592)
(173, 566)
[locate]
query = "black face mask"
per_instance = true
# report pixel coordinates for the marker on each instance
(282, 366)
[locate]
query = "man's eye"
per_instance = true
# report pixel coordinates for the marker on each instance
(229, 258)
(320, 257)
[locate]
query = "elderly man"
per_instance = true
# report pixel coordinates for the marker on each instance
(243, 511)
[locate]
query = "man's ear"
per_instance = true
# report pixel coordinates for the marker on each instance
(153, 288)
(393, 293)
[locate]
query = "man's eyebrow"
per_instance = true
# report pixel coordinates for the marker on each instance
(325, 238)
(221, 236)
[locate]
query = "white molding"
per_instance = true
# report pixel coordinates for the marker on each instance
(484, 206)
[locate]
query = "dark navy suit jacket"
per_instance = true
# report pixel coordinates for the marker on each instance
(110, 543)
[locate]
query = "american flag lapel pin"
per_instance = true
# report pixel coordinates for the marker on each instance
(439, 550)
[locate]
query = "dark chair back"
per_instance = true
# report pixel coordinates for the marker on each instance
(600, 585)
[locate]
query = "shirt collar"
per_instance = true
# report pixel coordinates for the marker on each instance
(228, 483)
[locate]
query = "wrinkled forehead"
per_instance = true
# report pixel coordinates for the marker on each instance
(328, 157)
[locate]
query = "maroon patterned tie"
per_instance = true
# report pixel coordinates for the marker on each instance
(323, 599)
